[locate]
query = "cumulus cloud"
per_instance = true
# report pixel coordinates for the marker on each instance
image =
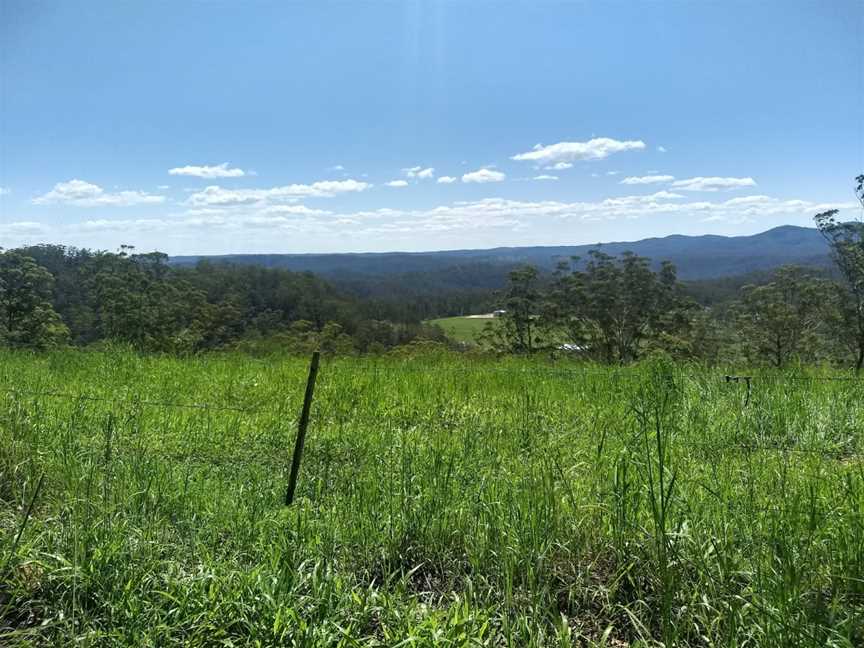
(396, 183)
(713, 184)
(419, 172)
(661, 149)
(483, 176)
(647, 179)
(545, 177)
(216, 195)
(560, 166)
(216, 171)
(219, 196)
(85, 194)
(447, 180)
(594, 149)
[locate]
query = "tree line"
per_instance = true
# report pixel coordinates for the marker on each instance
(53, 295)
(617, 309)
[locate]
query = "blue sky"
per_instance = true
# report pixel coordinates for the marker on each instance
(224, 127)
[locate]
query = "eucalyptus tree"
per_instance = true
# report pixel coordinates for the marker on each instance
(520, 327)
(846, 241)
(781, 320)
(616, 306)
(27, 317)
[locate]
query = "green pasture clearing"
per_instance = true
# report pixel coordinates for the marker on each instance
(442, 501)
(462, 329)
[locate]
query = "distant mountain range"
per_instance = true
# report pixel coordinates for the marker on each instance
(696, 257)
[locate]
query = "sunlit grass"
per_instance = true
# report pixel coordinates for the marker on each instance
(442, 501)
(463, 329)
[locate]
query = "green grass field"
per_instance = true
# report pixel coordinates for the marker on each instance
(462, 329)
(442, 501)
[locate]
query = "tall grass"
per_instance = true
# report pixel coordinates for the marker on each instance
(441, 501)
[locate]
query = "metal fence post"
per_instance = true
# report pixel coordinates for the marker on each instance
(301, 429)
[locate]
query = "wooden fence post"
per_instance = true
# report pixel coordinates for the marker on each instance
(746, 379)
(301, 429)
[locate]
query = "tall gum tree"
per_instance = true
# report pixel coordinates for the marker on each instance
(846, 240)
(27, 318)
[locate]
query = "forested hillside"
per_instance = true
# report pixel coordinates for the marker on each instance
(696, 257)
(53, 295)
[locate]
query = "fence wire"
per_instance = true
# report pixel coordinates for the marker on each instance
(128, 401)
(382, 369)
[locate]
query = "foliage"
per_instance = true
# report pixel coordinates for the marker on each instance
(613, 306)
(143, 301)
(27, 318)
(519, 327)
(780, 321)
(846, 240)
(611, 309)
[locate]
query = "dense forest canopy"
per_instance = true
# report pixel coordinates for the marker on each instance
(52, 295)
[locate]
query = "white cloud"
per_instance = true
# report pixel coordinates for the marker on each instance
(594, 149)
(209, 226)
(560, 166)
(219, 196)
(217, 171)
(205, 211)
(215, 195)
(129, 225)
(648, 198)
(713, 183)
(612, 173)
(447, 180)
(84, 194)
(648, 179)
(396, 183)
(419, 172)
(336, 167)
(23, 228)
(483, 176)
(545, 177)
(661, 149)
(297, 210)
(749, 208)
(515, 214)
